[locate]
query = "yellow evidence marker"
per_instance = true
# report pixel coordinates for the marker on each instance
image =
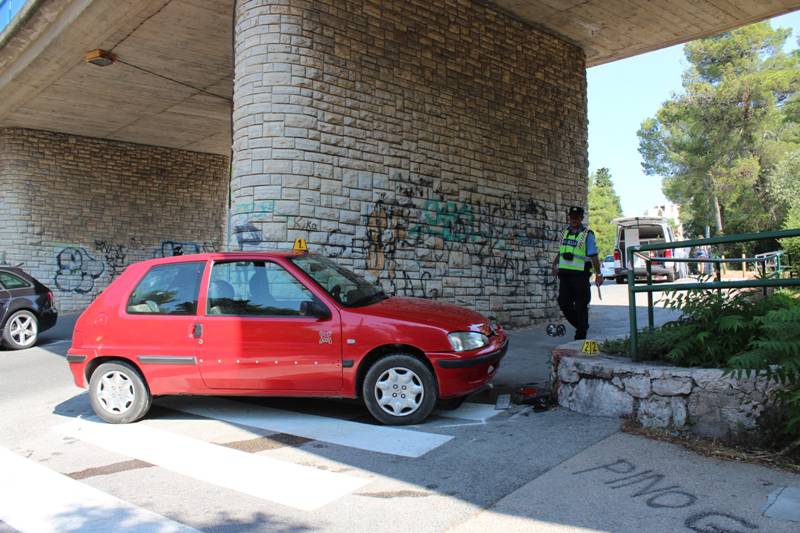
(590, 347)
(300, 246)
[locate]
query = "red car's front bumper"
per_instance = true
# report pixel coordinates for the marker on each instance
(459, 376)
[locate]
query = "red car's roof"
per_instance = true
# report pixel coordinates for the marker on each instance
(222, 255)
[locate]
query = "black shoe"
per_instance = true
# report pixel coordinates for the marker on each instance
(580, 336)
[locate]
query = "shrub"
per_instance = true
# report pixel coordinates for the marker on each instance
(775, 354)
(742, 331)
(713, 326)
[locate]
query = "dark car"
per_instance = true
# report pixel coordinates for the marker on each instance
(26, 308)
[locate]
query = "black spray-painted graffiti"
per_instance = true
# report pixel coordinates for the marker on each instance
(651, 487)
(248, 233)
(173, 248)
(500, 241)
(76, 270)
(712, 522)
(114, 255)
(411, 240)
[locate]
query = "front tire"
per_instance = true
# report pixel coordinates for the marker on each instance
(118, 393)
(21, 330)
(399, 390)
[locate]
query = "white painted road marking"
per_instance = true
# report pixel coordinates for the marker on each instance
(471, 411)
(35, 499)
(374, 438)
(301, 487)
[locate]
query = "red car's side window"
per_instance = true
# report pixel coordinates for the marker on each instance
(255, 288)
(168, 290)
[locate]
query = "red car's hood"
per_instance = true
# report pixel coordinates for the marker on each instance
(446, 316)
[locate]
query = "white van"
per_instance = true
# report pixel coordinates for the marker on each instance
(632, 231)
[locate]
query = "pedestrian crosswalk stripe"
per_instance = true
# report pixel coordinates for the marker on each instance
(302, 487)
(375, 438)
(471, 411)
(34, 498)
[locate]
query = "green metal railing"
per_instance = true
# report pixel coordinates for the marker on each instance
(649, 288)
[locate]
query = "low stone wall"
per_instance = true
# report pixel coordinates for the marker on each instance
(700, 399)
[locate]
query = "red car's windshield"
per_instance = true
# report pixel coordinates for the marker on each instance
(344, 286)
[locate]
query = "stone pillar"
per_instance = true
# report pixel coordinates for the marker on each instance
(431, 146)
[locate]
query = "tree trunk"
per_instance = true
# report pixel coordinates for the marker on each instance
(717, 215)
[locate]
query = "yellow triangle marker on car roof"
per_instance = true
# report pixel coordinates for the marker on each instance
(300, 246)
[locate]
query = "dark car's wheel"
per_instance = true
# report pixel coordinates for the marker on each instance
(399, 390)
(118, 393)
(621, 280)
(21, 330)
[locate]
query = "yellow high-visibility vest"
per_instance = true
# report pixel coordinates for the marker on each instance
(574, 243)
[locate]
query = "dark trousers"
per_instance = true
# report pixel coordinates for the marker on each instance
(574, 295)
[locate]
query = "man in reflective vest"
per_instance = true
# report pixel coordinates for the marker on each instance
(573, 265)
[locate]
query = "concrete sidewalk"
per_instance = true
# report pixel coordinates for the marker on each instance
(628, 483)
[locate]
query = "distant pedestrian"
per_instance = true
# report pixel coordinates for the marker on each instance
(573, 266)
(703, 252)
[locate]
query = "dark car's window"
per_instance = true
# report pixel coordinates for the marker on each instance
(346, 287)
(10, 281)
(255, 288)
(168, 290)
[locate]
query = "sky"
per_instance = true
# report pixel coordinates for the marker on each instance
(624, 93)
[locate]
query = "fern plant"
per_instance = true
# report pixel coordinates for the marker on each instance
(775, 354)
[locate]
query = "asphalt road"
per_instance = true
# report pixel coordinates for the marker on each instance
(226, 464)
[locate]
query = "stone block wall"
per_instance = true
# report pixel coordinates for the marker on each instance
(74, 211)
(432, 146)
(701, 399)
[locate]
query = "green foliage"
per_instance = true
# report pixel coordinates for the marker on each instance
(721, 144)
(775, 354)
(604, 206)
(740, 331)
(792, 246)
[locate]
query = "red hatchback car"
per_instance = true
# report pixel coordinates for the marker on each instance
(275, 324)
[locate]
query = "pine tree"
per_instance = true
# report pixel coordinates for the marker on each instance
(604, 206)
(720, 144)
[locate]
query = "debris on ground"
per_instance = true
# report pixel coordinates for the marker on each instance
(715, 448)
(541, 400)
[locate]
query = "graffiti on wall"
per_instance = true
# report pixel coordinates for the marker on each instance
(501, 242)
(114, 255)
(173, 248)
(248, 234)
(77, 270)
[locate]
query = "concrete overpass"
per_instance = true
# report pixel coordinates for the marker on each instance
(432, 145)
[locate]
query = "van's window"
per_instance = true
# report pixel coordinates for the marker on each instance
(168, 290)
(647, 234)
(10, 281)
(650, 233)
(255, 288)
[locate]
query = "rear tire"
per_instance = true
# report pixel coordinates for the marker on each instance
(620, 280)
(399, 390)
(21, 330)
(670, 277)
(118, 393)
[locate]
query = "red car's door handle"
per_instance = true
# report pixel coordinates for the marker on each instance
(197, 331)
